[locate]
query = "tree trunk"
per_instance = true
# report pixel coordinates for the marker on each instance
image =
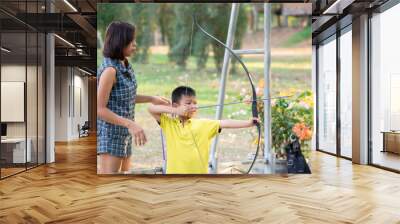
(285, 21)
(255, 19)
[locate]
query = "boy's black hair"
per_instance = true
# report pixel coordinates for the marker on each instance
(181, 91)
(118, 36)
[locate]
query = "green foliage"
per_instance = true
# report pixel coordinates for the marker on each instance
(106, 13)
(166, 17)
(200, 42)
(143, 16)
(285, 114)
(185, 39)
(174, 22)
(219, 28)
(180, 43)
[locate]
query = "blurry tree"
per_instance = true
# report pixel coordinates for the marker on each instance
(175, 23)
(180, 40)
(281, 20)
(219, 28)
(165, 22)
(106, 13)
(186, 37)
(200, 42)
(143, 16)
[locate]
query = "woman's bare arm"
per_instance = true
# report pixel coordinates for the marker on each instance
(158, 100)
(106, 82)
(143, 99)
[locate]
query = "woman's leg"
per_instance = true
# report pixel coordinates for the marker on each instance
(126, 164)
(109, 164)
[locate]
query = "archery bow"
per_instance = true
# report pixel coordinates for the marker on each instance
(253, 89)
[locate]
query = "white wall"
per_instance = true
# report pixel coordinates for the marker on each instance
(69, 82)
(33, 127)
(61, 103)
(80, 84)
(14, 73)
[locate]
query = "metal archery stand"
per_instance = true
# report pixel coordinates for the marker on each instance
(268, 158)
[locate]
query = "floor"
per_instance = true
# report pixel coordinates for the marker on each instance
(69, 191)
(13, 170)
(387, 159)
(10, 171)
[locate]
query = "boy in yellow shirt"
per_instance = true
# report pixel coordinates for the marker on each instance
(188, 139)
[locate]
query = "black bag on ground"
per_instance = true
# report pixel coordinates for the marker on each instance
(295, 159)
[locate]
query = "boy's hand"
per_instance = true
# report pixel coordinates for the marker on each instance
(159, 100)
(255, 121)
(184, 110)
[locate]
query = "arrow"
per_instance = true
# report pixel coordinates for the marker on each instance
(239, 102)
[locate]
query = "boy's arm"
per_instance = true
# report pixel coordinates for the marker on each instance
(157, 110)
(238, 123)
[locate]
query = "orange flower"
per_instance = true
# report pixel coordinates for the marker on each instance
(261, 84)
(308, 134)
(302, 131)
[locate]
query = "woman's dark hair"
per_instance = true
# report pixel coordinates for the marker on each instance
(181, 91)
(118, 36)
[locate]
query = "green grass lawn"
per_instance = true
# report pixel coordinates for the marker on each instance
(160, 77)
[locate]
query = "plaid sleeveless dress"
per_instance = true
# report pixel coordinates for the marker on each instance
(111, 138)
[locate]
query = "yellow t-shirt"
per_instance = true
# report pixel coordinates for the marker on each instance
(188, 145)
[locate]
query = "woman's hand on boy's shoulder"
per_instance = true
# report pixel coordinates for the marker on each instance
(159, 100)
